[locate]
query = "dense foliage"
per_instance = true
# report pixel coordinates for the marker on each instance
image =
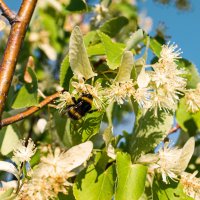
(142, 93)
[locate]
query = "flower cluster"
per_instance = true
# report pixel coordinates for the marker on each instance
(191, 185)
(158, 87)
(169, 162)
(101, 13)
(163, 83)
(120, 91)
(64, 100)
(51, 175)
(23, 152)
(48, 179)
(80, 87)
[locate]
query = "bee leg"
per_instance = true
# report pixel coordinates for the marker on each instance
(74, 100)
(91, 111)
(52, 106)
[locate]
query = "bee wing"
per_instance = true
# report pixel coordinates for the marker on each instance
(77, 155)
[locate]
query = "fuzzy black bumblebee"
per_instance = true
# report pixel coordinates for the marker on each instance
(81, 106)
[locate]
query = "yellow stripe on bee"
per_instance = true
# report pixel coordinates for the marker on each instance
(74, 113)
(77, 115)
(88, 100)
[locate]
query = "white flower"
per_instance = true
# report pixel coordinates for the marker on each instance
(24, 152)
(101, 13)
(64, 100)
(168, 74)
(191, 184)
(120, 91)
(162, 100)
(170, 162)
(159, 88)
(145, 22)
(192, 97)
(97, 94)
(143, 96)
(111, 151)
(51, 175)
(80, 86)
(41, 124)
(143, 79)
(169, 53)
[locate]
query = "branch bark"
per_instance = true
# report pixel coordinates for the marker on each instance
(6, 12)
(174, 129)
(29, 111)
(11, 53)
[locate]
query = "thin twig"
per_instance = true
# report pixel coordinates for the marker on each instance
(174, 129)
(11, 53)
(6, 12)
(29, 111)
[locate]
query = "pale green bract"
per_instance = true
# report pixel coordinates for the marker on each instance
(78, 57)
(125, 67)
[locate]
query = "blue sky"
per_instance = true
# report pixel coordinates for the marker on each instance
(182, 26)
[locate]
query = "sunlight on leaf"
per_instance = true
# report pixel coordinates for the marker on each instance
(131, 178)
(78, 57)
(125, 67)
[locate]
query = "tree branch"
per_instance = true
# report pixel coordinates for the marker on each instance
(6, 12)
(174, 129)
(11, 53)
(29, 111)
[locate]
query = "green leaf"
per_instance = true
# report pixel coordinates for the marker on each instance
(108, 135)
(91, 125)
(78, 57)
(174, 190)
(135, 38)
(114, 51)
(28, 94)
(97, 49)
(189, 122)
(109, 114)
(131, 178)
(91, 38)
(7, 194)
(25, 98)
(125, 67)
(78, 131)
(9, 139)
(60, 124)
(155, 46)
(65, 73)
(68, 196)
(49, 24)
(77, 5)
(149, 132)
(192, 72)
(128, 10)
(113, 26)
(93, 184)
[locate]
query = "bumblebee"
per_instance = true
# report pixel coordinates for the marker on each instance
(81, 107)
